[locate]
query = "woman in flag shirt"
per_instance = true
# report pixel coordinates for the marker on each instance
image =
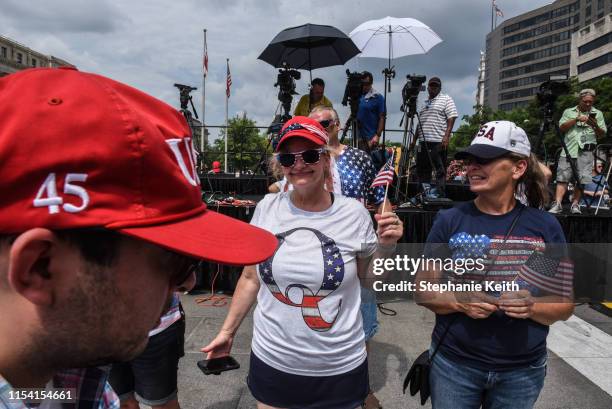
(493, 345)
(308, 348)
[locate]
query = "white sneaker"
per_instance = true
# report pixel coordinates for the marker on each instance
(556, 208)
(575, 209)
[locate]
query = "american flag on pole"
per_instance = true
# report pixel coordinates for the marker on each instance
(552, 276)
(385, 174)
(205, 58)
(498, 12)
(228, 81)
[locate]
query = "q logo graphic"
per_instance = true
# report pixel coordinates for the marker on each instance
(333, 269)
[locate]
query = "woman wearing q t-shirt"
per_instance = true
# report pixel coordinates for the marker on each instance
(308, 348)
(492, 345)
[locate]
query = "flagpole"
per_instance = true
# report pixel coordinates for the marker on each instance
(226, 119)
(204, 73)
(492, 12)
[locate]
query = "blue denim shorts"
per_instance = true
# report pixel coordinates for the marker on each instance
(369, 313)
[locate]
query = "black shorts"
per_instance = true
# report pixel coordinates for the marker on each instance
(152, 376)
(283, 390)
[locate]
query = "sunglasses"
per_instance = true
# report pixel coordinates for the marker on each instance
(326, 123)
(481, 161)
(310, 157)
(183, 267)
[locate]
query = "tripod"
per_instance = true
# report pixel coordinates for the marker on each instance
(409, 139)
(388, 73)
(351, 124)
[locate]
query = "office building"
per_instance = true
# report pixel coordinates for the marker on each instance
(525, 50)
(591, 54)
(15, 57)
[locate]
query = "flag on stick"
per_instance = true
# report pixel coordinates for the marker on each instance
(385, 174)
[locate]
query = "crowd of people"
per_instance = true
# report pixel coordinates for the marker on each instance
(98, 240)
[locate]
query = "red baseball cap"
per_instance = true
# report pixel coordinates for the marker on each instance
(81, 150)
(303, 127)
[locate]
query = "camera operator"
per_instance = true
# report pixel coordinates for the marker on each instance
(314, 99)
(582, 125)
(371, 114)
(437, 118)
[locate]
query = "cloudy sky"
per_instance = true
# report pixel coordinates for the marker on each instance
(154, 43)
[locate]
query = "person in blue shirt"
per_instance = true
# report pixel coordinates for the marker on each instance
(492, 345)
(371, 114)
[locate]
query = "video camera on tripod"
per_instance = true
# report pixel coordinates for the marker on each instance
(352, 93)
(285, 81)
(352, 90)
(549, 91)
(185, 97)
(410, 93)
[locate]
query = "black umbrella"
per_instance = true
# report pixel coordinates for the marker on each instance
(308, 47)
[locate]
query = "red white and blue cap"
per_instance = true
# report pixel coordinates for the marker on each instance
(80, 150)
(496, 139)
(303, 127)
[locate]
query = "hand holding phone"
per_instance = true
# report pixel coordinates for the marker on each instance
(217, 365)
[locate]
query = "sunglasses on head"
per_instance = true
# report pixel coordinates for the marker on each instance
(309, 156)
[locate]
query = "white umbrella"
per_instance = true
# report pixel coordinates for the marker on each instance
(390, 38)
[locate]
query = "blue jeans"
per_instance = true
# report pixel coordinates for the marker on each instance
(369, 310)
(457, 386)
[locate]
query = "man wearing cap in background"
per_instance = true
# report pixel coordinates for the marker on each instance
(98, 233)
(314, 98)
(582, 125)
(436, 121)
(216, 167)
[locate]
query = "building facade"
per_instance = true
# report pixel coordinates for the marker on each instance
(525, 50)
(15, 57)
(591, 55)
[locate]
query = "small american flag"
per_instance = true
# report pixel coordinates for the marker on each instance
(385, 174)
(549, 275)
(228, 82)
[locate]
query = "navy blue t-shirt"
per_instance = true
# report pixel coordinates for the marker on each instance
(498, 342)
(368, 115)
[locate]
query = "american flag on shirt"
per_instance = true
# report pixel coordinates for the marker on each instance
(385, 174)
(549, 275)
(228, 81)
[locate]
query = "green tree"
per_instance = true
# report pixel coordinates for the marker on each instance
(245, 145)
(530, 117)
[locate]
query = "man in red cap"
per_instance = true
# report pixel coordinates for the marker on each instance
(96, 232)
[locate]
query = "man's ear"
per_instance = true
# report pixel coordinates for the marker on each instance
(28, 271)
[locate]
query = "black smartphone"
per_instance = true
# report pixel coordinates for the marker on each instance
(217, 365)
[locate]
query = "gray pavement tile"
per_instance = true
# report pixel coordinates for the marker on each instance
(566, 388)
(208, 329)
(198, 391)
